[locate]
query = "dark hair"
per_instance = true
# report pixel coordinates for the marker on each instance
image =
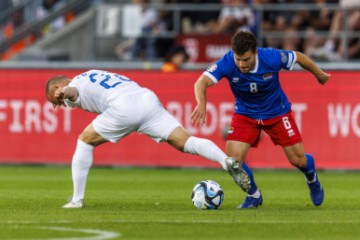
(242, 42)
(175, 50)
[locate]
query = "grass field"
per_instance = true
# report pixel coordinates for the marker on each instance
(132, 203)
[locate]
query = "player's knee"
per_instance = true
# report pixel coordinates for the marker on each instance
(85, 138)
(91, 139)
(178, 138)
(178, 142)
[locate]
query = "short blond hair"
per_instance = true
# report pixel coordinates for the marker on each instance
(54, 80)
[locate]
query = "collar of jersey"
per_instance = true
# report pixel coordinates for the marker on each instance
(256, 64)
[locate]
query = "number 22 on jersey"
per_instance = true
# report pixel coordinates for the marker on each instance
(107, 81)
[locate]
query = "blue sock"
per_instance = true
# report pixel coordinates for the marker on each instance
(253, 187)
(309, 170)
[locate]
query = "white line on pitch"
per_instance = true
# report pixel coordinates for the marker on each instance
(96, 234)
(99, 234)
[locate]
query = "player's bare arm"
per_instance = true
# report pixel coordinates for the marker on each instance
(308, 64)
(62, 93)
(70, 93)
(198, 116)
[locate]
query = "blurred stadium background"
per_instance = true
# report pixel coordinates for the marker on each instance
(42, 38)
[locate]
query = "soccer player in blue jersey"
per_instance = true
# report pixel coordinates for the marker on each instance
(261, 104)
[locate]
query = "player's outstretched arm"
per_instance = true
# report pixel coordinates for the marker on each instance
(308, 64)
(198, 116)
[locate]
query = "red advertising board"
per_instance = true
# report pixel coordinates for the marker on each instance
(34, 132)
(205, 48)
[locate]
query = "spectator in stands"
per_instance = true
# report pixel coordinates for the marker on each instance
(288, 22)
(167, 16)
(353, 50)
(273, 21)
(166, 20)
(333, 49)
(10, 28)
(46, 8)
(145, 47)
(198, 21)
(318, 20)
(175, 58)
(152, 23)
(291, 41)
(236, 15)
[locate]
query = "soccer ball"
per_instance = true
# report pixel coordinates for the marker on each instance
(207, 194)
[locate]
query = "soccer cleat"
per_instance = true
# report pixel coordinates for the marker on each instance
(238, 174)
(251, 202)
(316, 191)
(71, 204)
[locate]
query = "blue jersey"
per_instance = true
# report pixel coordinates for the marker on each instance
(258, 94)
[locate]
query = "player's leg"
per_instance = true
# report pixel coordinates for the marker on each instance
(306, 164)
(110, 126)
(296, 156)
(81, 164)
(284, 132)
(243, 134)
(238, 151)
(161, 126)
(180, 139)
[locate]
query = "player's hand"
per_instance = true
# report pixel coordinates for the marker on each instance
(59, 97)
(198, 116)
(323, 77)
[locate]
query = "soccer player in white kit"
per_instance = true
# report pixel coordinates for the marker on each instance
(124, 107)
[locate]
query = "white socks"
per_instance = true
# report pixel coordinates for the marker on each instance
(205, 148)
(81, 163)
(83, 159)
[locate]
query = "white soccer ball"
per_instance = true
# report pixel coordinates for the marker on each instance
(207, 194)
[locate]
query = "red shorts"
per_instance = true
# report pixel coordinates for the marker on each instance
(282, 130)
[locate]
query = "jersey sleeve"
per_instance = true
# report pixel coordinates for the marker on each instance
(212, 73)
(217, 71)
(277, 59)
(287, 59)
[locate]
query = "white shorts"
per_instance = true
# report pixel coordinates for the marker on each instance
(141, 112)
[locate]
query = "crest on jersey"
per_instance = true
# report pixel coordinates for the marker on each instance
(284, 57)
(235, 79)
(212, 68)
(267, 76)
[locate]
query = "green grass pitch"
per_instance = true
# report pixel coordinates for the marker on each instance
(138, 203)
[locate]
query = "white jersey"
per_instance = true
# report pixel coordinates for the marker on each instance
(98, 89)
(123, 106)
